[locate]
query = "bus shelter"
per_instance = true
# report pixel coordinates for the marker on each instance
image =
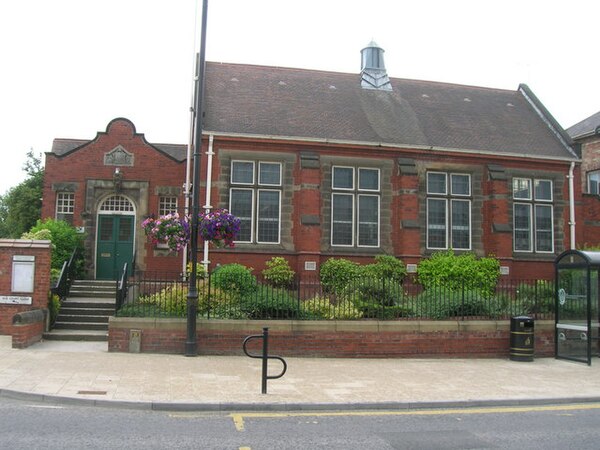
(576, 305)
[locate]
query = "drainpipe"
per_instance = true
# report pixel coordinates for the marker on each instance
(207, 206)
(572, 205)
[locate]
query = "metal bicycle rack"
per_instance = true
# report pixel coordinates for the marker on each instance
(265, 358)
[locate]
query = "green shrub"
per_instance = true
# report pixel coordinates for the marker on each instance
(535, 298)
(457, 272)
(65, 239)
(53, 307)
(376, 291)
(234, 278)
(442, 303)
(386, 267)
(170, 301)
(321, 307)
(278, 272)
(268, 302)
(337, 273)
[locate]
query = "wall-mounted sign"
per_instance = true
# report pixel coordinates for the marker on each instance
(310, 265)
(14, 300)
(411, 268)
(23, 272)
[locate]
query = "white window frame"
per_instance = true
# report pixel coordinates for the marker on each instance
(165, 204)
(255, 187)
(231, 177)
(355, 192)
(533, 202)
(333, 186)
(595, 174)
(358, 221)
(258, 220)
(61, 202)
(353, 227)
(448, 197)
(530, 229)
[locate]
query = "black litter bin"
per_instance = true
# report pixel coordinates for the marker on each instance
(521, 338)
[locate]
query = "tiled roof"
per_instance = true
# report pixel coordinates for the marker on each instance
(585, 127)
(306, 104)
(63, 146)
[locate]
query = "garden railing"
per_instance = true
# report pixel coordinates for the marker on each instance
(224, 296)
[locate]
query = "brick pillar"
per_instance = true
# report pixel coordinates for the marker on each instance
(307, 214)
(24, 288)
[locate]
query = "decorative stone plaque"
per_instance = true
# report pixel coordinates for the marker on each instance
(118, 156)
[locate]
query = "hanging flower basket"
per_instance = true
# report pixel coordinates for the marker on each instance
(170, 230)
(219, 227)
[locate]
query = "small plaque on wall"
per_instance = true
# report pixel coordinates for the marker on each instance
(411, 268)
(310, 265)
(14, 300)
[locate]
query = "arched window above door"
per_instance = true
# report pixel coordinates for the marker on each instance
(116, 204)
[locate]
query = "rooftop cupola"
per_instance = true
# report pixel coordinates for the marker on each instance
(372, 71)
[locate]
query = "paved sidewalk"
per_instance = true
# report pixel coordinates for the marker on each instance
(86, 373)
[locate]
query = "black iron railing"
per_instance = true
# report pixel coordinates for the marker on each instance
(122, 287)
(246, 296)
(65, 278)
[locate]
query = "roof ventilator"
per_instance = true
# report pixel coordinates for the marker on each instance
(372, 73)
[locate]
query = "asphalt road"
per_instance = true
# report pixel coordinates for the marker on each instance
(26, 425)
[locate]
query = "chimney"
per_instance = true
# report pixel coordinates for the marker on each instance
(372, 71)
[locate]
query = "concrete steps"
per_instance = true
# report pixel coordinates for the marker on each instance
(83, 316)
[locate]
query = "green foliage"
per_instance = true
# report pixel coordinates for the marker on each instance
(170, 301)
(53, 306)
(271, 303)
(21, 206)
(234, 278)
(64, 237)
(200, 272)
(536, 298)
(278, 272)
(385, 267)
(457, 272)
(442, 303)
(321, 307)
(337, 273)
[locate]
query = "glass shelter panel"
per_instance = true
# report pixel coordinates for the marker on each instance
(572, 330)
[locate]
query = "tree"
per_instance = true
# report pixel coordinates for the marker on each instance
(21, 206)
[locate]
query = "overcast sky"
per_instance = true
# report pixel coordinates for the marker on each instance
(71, 66)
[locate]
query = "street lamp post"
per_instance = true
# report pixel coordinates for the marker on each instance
(191, 344)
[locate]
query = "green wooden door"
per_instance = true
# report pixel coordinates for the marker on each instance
(114, 245)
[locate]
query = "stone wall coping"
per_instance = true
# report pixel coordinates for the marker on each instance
(364, 326)
(24, 243)
(28, 317)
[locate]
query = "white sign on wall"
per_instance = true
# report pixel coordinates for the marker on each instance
(14, 300)
(23, 273)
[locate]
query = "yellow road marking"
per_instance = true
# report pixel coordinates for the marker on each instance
(238, 418)
(238, 421)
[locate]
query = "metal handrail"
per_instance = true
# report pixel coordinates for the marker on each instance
(122, 287)
(65, 279)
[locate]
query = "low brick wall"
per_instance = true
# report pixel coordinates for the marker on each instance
(28, 327)
(347, 339)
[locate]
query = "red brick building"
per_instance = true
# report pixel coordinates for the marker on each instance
(322, 164)
(587, 135)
